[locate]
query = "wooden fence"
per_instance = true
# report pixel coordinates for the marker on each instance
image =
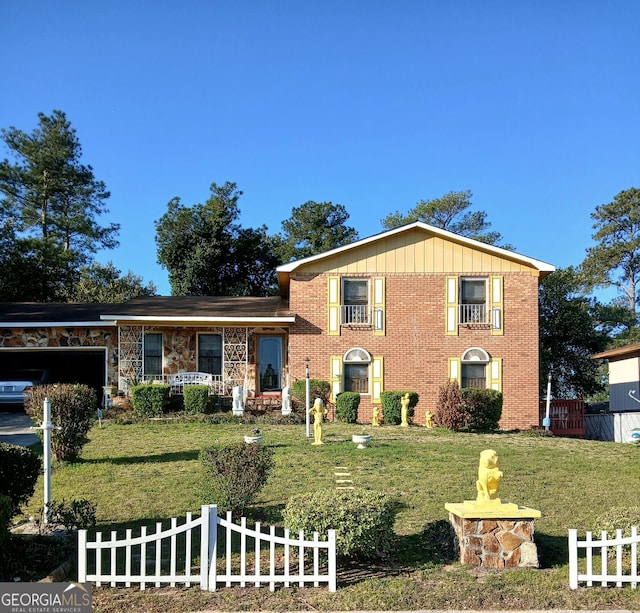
(618, 559)
(208, 550)
(567, 416)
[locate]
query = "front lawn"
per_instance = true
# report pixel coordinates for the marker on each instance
(141, 473)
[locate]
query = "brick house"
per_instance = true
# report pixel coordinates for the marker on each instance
(407, 309)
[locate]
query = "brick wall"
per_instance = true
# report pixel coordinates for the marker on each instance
(415, 348)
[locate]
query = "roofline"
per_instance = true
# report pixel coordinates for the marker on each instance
(539, 264)
(190, 319)
(631, 351)
(55, 324)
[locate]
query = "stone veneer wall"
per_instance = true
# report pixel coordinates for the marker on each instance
(495, 543)
(64, 338)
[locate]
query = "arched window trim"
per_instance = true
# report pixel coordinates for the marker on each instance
(485, 359)
(353, 350)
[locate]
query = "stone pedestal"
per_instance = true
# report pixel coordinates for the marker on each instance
(494, 535)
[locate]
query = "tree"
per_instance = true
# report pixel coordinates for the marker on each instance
(449, 212)
(208, 254)
(570, 333)
(315, 227)
(615, 260)
(104, 283)
(54, 202)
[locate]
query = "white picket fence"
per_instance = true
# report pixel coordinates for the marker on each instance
(618, 559)
(170, 557)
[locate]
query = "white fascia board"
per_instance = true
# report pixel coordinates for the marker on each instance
(55, 324)
(177, 319)
(513, 255)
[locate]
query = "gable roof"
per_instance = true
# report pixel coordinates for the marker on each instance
(193, 310)
(285, 270)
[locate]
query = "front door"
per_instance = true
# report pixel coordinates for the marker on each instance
(270, 364)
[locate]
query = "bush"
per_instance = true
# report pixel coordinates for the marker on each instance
(347, 407)
(19, 470)
(5, 518)
(392, 406)
(483, 408)
(149, 399)
(363, 520)
(80, 514)
(317, 389)
(449, 411)
(73, 408)
(618, 517)
(196, 398)
(234, 474)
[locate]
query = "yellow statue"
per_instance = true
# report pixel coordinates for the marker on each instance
(489, 476)
(428, 420)
(318, 411)
(376, 415)
(405, 410)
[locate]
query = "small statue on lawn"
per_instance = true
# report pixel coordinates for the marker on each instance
(489, 477)
(318, 411)
(404, 402)
(375, 421)
(428, 420)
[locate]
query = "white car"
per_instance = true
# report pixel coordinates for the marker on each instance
(14, 383)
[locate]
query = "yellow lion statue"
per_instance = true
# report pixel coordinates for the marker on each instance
(489, 476)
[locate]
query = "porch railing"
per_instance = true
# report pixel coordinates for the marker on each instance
(178, 381)
(357, 314)
(475, 314)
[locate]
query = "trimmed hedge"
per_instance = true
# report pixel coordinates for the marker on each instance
(317, 389)
(74, 408)
(363, 520)
(483, 409)
(196, 398)
(149, 399)
(392, 406)
(19, 470)
(234, 474)
(347, 404)
(5, 518)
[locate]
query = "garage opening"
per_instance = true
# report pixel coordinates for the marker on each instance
(85, 366)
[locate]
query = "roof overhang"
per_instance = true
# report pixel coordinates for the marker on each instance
(195, 321)
(619, 353)
(56, 324)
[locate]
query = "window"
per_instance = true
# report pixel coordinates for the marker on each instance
(473, 371)
(355, 301)
(153, 354)
(210, 353)
(473, 301)
(356, 371)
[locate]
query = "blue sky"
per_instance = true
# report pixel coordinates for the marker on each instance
(532, 105)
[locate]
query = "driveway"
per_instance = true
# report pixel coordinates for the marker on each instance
(15, 429)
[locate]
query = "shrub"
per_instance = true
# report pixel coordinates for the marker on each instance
(196, 398)
(363, 520)
(347, 407)
(73, 408)
(80, 514)
(317, 389)
(618, 517)
(5, 518)
(449, 412)
(149, 399)
(392, 406)
(483, 408)
(19, 470)
(234, 474)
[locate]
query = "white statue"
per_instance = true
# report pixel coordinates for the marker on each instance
(286, 400)
(237, 405)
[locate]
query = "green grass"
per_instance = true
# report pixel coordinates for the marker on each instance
(141, 473)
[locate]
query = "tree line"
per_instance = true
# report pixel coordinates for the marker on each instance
(50, 230)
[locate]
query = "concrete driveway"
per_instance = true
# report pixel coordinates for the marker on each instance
(15, 429)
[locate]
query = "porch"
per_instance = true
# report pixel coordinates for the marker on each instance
(567, 417)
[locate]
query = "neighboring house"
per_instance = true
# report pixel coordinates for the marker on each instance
(622, 422)
(404, 310)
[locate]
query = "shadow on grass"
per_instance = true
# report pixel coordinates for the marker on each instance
(171, 456)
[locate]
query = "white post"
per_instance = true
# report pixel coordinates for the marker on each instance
(307, 399)
(547, 421)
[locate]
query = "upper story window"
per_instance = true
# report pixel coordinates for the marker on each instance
(152, 353)
(355, 301)
(473, 301)
(210, 353)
